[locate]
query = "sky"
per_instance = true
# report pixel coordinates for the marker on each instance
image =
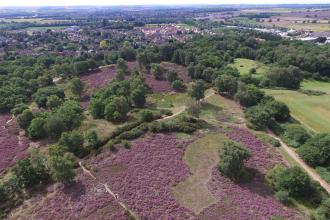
(149, 2)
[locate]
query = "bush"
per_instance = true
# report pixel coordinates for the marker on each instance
(126, 144)
(178, 85)
(316, 151)
(193, 108)
(232, 156)
(258, 117)
(40, 97)
(54, 126)
(73, 142)
(111, 145)
(282, 196)
(295, 181)
(172, 75)
(248, 95)
(288, 77)
(157, 71)
(24, 119)
(146, 115)
(226, 84)
(36, 129)
(278, 110)
(92, 139)
(96, 108)
(138, 97)
(19, 108)
(116, 110)
(53, 102)
(295, 135)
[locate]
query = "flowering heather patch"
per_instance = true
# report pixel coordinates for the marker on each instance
(143, 176)
(263, 157)
(157, 86)
(252, 200)
(180, 70)
(12, 147)
(100, 78)
(240, 201)
(85, 199)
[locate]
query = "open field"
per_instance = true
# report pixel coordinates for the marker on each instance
(311, 111)
(200, 157)
(45, 28)
(32, 20)
(245, 65)
(317, 27)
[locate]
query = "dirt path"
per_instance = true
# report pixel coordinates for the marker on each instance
(310, 171)
(183, 108)
(107, 188)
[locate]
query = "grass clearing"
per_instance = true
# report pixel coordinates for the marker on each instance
(312, 111)
(245, 65)
(102, 127)
(201, 156)
(174, 102)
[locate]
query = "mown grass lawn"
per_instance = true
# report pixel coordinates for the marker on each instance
(311, 111)
(245, 65)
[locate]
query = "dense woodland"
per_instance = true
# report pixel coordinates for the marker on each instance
(57, 112)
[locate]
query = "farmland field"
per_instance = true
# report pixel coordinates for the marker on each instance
(245, 65)
(312, 111)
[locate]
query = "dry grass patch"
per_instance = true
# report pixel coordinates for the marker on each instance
(201, 156)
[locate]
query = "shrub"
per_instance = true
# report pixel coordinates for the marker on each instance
(24, 119)
(111, 145)
(248, 95)
(178, 85)
(116, 110)
(197, 90)
(172, 75)
(295, 135)
(146, 115)
(19, 108)
(54, 126)
(278, 110)
(232, 156)
(193, 108)
(40, 97)
(316, 151)
(96, 108)
(36, 129)
(126, 144)
(288, 77)
(53, 102)
(295, 181)
(282, 196)
(157, 71)
(258, 117)
(73, 142)
(226, 84)
(92, 139)
(138, 97)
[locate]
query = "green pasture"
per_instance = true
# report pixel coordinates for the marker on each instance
(244, 65)
(312, 111)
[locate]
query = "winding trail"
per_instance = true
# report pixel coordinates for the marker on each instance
(183, 108)
(107, 188)
(310, 171)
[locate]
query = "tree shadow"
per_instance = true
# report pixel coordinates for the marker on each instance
(75, 190)
(256, 183)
